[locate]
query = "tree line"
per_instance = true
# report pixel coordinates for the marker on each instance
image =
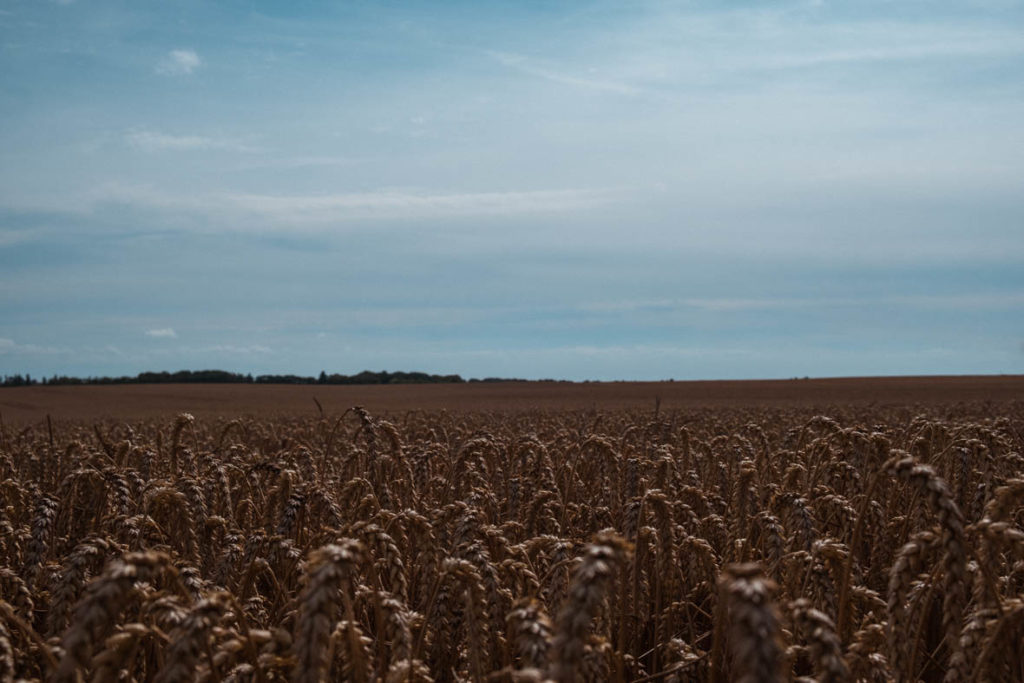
(224, 377)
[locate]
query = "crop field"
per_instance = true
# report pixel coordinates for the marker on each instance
(130, 402)
(875, 535)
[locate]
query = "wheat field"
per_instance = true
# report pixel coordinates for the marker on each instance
(726, 544)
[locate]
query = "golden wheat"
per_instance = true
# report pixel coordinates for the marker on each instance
(709, 545)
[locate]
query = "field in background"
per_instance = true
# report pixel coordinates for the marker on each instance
(141, 401)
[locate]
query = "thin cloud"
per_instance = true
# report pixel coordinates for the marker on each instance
(300, 162)
(524, 65)
(162, 333)
(773, 41)
(265, 211)
(967, 302)
(230, 348)
(403, 204)
(151, 141)
(9, 346)
(179, 63)
(891, 54)
(188, 350)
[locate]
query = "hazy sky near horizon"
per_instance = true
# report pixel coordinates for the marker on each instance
(602, 190)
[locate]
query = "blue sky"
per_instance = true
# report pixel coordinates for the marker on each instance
(582, 190)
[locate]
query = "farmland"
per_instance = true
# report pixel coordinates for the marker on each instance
(127, 402)
(831, 530)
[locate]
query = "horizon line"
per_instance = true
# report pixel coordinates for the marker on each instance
(433, 378)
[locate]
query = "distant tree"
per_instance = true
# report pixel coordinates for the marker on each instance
(223, 376)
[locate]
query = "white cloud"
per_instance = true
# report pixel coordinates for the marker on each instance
(151, 141)
(231, 348)
(237, 349)
(522, 64)
(404, 204)
(10, 346)
(162, 333)
(179, 63)
(667, 307)
(298, 162)
(274, 212)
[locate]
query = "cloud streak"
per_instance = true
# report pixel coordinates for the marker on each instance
(237, 349)
(998, 301)
(179, 63)
(525, 65)
(153, 141)
(10, 347)
(408, 204)
(234, 210)
(162, 333)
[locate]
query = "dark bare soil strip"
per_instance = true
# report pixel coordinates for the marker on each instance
(140, 401)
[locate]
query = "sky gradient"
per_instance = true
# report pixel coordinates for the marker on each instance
(579, 190)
